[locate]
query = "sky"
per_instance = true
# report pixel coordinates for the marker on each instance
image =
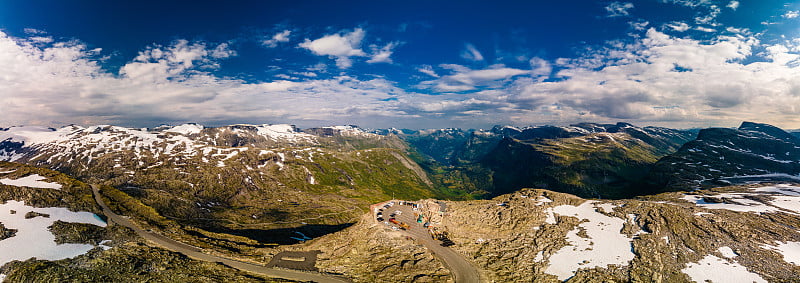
(403, 64)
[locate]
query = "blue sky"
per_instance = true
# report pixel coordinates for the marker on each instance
(409, 64)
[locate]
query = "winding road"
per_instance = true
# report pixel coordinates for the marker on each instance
(461, 269)
(197, 253)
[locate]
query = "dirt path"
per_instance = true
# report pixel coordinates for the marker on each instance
(197, 253)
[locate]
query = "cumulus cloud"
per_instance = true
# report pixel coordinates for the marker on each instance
(340, 46)
(471, 53)
(282, 36)
(717, 88)
(618, 9)
(791, 14)
(655, 78)
(62, 83)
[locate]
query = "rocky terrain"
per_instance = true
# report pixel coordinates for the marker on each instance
(115, 254)
(246, 192)
(371, 252)
(544, 236)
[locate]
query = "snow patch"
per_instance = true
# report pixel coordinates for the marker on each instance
(542, 200)
(539, 257)
(789, 250)
(714, 269)
(780, 189)
(186, 129)
(741, 204)
(604, 246)
(283, 132)
(785, 198)
(33, 181)
(550, 218)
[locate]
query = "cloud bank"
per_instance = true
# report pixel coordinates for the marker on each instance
(657, 77)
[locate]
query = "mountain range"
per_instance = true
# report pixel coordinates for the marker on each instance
(248, 191)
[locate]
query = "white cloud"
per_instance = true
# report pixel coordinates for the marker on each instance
(639, 25)
(618, 9)
(689, 3)
(705, 29)
(540, 67)
(678, 26)
(709, 17)
(428, 70)
(733, 5)
(33, 31)
(62, 83)
(340, 46)
(718, 88)
(277, 38)
(791, 14)
(383, 54)
(743, 31)
(654, 79)
(41, 39)
(471, 53)
(462, 78)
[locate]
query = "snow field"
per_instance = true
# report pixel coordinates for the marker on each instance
(33, 239)
(33, 181)
(714, 269)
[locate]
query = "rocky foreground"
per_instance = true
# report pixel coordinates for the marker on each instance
(724, 234)
(728, 234)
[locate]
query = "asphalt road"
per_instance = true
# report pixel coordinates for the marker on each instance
(462, 270)
(196, 253)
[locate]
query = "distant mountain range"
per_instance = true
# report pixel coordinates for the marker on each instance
(589, 160)
(721, 156)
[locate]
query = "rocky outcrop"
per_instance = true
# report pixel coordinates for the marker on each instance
(6, 233)
(371, 252)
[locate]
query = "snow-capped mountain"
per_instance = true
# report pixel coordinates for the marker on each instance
(235, 174)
